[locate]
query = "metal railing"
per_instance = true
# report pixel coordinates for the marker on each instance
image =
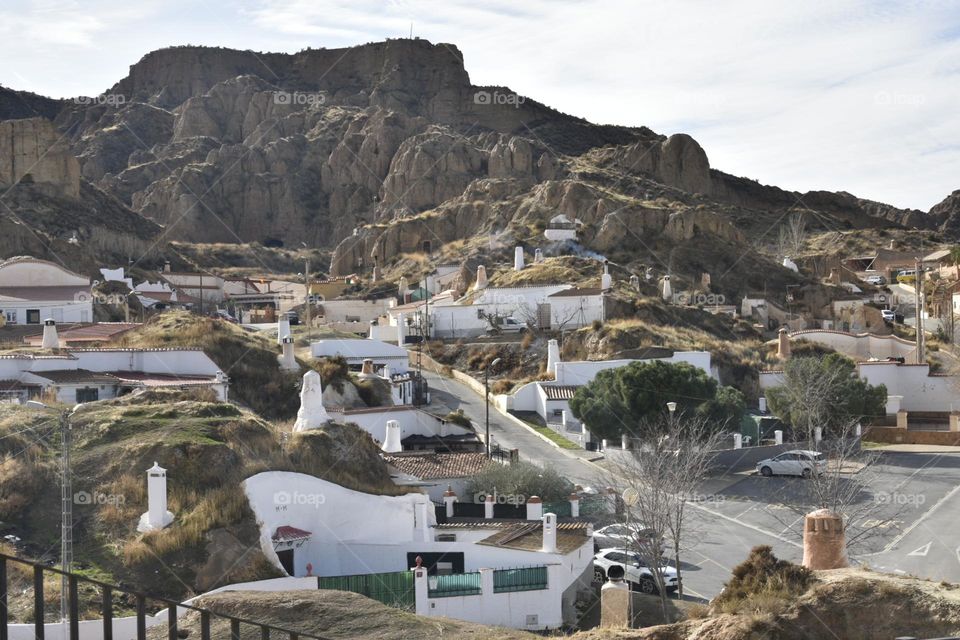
(394, 589)
(108, 594)
(457, 584)
(524, 579)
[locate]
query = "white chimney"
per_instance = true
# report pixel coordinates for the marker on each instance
(574, 505)
(401, 330)
(367, 373)
(518, 259)
(422, 525)
(553, 356)
(667, 289)
(391, 441)
(403, 288)
(778, 436)
(449, 499)
(157, 516)
(605, 280)
(549, 533)
(763, 405)
(488, 507)
(312, 414)
(538, 256)
(50, 339)
(287, 360)
(481, 282)
(283, 329)
(737, 441)
(387, 374)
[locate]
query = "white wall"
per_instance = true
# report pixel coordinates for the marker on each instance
(359, 310)
(920, 390)
(859, 346)
(169, 362)
(39, 273)
(80, 310)
(584, 371)
(573, 312)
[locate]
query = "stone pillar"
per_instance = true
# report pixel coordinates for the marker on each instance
(486, 581)
(283, 329)
(763, 405)
(518, 259)
(549, 533)
(574, 505)
(615, 602)
(778, 436)
(954, 421)
(824, 540)
(534, 508)
(783, 343)
(488, 507)
(421, 588)
(737, 441)
(901, 419)
(50, 339)
(449, 500)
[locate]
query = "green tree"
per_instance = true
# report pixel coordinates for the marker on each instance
(825, 392)
(617, 400)
(521, 480)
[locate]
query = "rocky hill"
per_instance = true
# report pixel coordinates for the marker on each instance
(387, 148)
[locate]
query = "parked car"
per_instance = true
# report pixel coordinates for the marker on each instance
(636, 574)
(875, 279)
(293, 318)
(617, 535)
(798, 462)
(888, 315)
(508, 325)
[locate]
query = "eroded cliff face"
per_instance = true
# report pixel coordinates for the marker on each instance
(34, 152)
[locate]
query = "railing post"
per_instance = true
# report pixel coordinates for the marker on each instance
(141, 618)
(107, 613)
(204, 625)
(74, 607)
(234, 629)
(3, 599)
(38, 614)
(172, 622)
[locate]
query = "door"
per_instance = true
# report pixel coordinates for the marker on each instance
(286, 560)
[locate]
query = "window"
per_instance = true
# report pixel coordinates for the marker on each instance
(11, 316)
(617, 557)
(33, 316)
(446, 537)
(88, 394)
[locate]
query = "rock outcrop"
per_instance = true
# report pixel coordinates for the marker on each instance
(35, 152)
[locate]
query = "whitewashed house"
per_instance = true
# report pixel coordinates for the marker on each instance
(345, 532)
(32, 290)
(356, 350)
(86, 375)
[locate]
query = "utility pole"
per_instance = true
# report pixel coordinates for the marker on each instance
(66, 506)
(201, 291)
(306, 280)
(918, 289)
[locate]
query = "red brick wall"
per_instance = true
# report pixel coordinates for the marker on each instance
(892, 435)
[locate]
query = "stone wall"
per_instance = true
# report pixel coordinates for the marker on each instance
(893, 435)
(33, 151)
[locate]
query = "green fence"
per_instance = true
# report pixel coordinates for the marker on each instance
(560, 509)
(458, 584)
(527, 579)
(393, 589)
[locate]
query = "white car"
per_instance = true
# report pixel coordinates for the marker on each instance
(617, 535)
(638, 576)
(888, 315)
(798, 462)
(875, 279)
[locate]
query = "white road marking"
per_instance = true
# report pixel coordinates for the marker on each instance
(893, 543)
(921, 551)
(748, 526)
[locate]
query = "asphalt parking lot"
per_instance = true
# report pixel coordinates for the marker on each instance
(905, 520)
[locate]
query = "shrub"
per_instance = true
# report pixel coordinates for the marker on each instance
(457, 417)
(763, 584)
(521, 479)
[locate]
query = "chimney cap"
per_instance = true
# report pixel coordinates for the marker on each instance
(489, 498)
(50, 322)
(449, 493)
(534, 500)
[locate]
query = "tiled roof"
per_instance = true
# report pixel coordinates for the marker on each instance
(78, 293)
(161, 379)
(287, 533)
(575, 291)
(559, 391)
(90, 333)
(529, 537)
(76, 376)
(432, 466)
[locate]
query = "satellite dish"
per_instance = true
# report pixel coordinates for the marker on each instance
(630, 496)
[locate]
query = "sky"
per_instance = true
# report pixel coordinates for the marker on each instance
(845, 95)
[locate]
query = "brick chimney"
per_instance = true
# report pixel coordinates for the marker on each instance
(783, 343)
(824, 540)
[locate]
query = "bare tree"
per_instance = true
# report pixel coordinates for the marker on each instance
(792, 235)
(668, 462)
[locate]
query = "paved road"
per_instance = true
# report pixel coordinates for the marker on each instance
(508, 434)
(917, 496)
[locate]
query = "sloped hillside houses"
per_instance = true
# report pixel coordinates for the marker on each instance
(32, 290)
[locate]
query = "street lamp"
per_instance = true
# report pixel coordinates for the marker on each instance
(486, 396)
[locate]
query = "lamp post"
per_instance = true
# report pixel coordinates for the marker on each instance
(66, 499)
(486, 397)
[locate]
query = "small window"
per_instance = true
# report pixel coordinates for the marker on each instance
(88, 395)
(446, 537)
(33, 316)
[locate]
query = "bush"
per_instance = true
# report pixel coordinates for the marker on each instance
(457, 417)
(521, 479)
(763, 584)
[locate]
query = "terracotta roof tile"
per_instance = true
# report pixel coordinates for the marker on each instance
(432, 466)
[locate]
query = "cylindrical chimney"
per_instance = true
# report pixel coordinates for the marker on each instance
(518, 259)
